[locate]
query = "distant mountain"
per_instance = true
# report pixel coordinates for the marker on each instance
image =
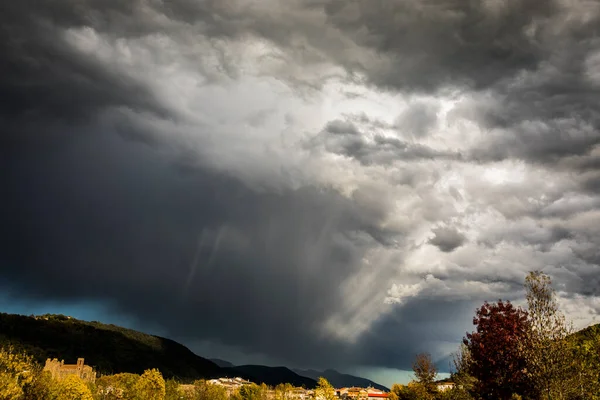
(222, 363)
(270, 375)
(340, 380)
(108, 348)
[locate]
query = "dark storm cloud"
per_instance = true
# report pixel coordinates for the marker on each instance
(380, 346)
(447, 239)
(42, 78)
(201, 254)
(167, 236)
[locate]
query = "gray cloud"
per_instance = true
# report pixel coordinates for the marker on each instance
(418, 119)
(447, 239)
(344, 138)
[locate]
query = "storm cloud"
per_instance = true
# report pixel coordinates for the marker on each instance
(323, 183)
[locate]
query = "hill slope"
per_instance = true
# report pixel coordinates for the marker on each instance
(108, 348)
(222, 363)
(339, 380)
(589, 334)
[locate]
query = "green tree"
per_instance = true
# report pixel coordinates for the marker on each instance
(324, 390)
(72, 388)
(464, 382)
(150, 386)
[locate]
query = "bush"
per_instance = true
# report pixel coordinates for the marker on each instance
(73, 388)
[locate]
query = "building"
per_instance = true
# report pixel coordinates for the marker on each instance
(60, 370)
(357, 393)
(443, 386)
(230, 384)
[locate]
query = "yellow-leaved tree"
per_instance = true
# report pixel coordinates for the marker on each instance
(150, 386)
(72, 388)
(550, 360)
(206, 391)
(16, 371)
(324, 390)
(284, 391)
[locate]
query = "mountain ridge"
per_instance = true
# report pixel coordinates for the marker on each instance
(338, 379)
(113, 349)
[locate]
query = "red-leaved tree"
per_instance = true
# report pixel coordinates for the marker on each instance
(495, 348)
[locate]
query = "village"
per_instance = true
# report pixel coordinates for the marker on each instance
(358, 393)
(59, 370)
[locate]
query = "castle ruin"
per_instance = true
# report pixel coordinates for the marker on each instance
(60, 370)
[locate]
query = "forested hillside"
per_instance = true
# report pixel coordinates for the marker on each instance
(108, 348)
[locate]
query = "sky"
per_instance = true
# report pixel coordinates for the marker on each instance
(310, 183)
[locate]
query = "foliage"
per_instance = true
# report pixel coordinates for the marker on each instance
(150, 386)
(42, 386)
(118, 386)
(284, 391)
(496, 360)
(16, 371)
(206, 391)
(465, 383)
(412, 391)
(425, 372)
(72, 388)
(172, 391)
(456, 393)
(253, 392)
(324, 390)
(552, 362)
(585, 345)
(9, 387)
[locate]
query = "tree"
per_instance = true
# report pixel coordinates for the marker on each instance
(324, 390)
(118, 386)
(425, 372)
(586, 348)
(150, 386)
(73, 388)
(464, 382)
(172, 391)
(9, 387)
(16, 371)
(283, 391)
(42, 386)
(253, 392)
(551, 361)
(206, 391)
(412, 391)
(495, 347)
